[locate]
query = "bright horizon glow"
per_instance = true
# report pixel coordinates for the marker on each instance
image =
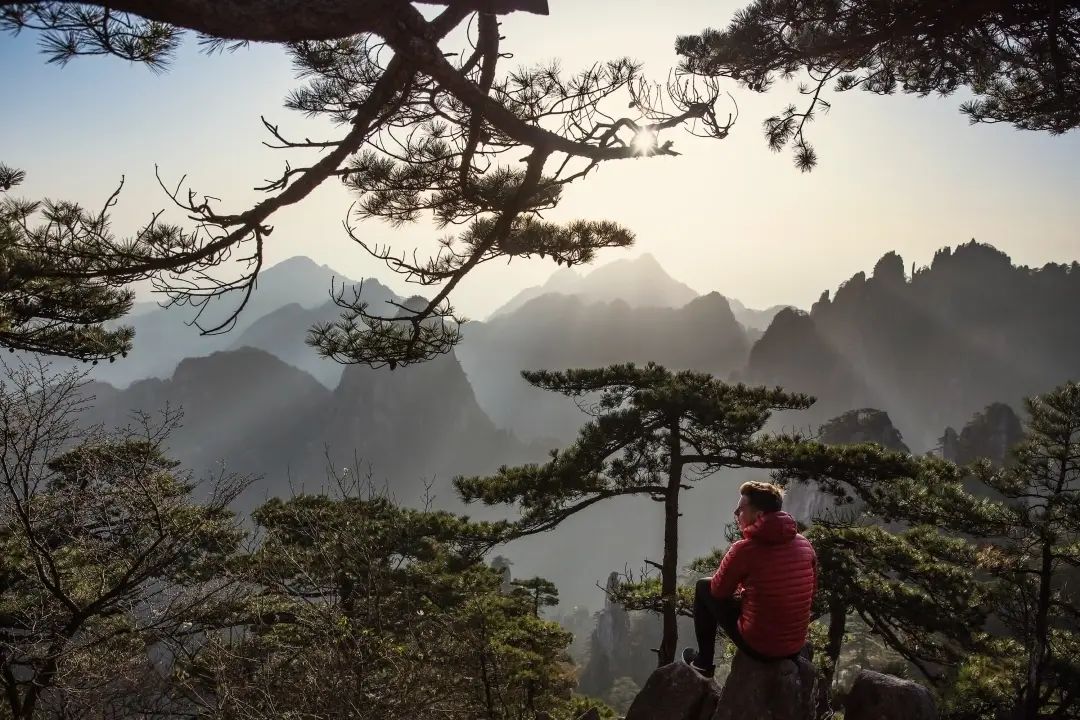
(896, 173)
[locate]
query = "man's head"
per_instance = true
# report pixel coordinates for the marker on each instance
(756, 498)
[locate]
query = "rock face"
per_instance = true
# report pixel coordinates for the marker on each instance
(883, 697)
(932, 348)
(781, 690)
(764, 691)
(672, 692)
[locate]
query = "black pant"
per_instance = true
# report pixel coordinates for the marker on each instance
(711, 613)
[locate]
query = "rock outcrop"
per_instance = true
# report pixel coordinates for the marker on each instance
(673, 691)
(875, 696)
(781, 690)
(770, 691)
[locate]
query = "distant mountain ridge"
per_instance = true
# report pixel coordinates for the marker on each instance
(560, 331)
(283, 332)
(639, 282)
(165, 336)
(932, 349)
(756, 320)
(263, 417)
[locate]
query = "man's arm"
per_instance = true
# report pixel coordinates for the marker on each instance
(731, 572)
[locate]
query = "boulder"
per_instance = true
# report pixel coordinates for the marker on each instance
(875, 696)
(672, 692)
(782, 690)
(779, 690)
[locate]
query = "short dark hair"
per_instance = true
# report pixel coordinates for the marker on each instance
(763, 496)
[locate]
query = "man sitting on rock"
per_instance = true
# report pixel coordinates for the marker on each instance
(762, 592)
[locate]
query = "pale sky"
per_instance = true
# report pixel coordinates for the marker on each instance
(896, 173)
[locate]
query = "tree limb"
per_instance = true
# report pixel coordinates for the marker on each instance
(285, 21)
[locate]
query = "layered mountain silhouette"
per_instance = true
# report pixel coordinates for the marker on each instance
(165, 336)
(639, 282)
(244, 410)
(250, 412)
(931, 349)
(755, 321)
(556, 332)
(283, 332)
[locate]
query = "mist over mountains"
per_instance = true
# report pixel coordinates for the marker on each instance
(562, 331)
(167, 335)
(931, 350)
(639, 282)
(252, 413)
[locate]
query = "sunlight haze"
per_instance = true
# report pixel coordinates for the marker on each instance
(899, 173)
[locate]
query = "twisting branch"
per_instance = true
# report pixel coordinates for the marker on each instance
(1021, 61)
(429, 133)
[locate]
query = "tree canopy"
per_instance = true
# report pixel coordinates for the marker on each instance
(975, 591)
(129, 591)
(657, 433)
(107, 555)
(425, 130)
(41, 310)
(1020, 60)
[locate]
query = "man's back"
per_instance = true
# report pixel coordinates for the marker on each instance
(776, 569)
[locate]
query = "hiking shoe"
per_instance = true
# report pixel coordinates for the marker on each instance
(689, 656)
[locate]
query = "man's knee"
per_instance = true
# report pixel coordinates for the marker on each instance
(703, 589)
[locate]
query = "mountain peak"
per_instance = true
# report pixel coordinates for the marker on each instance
(639, 282)
(295, 262)
(300, 270)
(562, 278)
(647, 259)
(644, 263)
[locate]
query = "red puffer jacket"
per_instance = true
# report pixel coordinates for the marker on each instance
(776, 569)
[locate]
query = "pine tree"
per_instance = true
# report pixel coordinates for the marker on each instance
(1036, 561)
(653, 428)
(39, 310)
(881, 562)
(974, 590)
(541, 592)
(895, 551)
(371, 610)
(1020, 60)
(430, 126)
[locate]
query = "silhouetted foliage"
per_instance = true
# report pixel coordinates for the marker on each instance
(426, 131)
(41, 311)
(1021, 60)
